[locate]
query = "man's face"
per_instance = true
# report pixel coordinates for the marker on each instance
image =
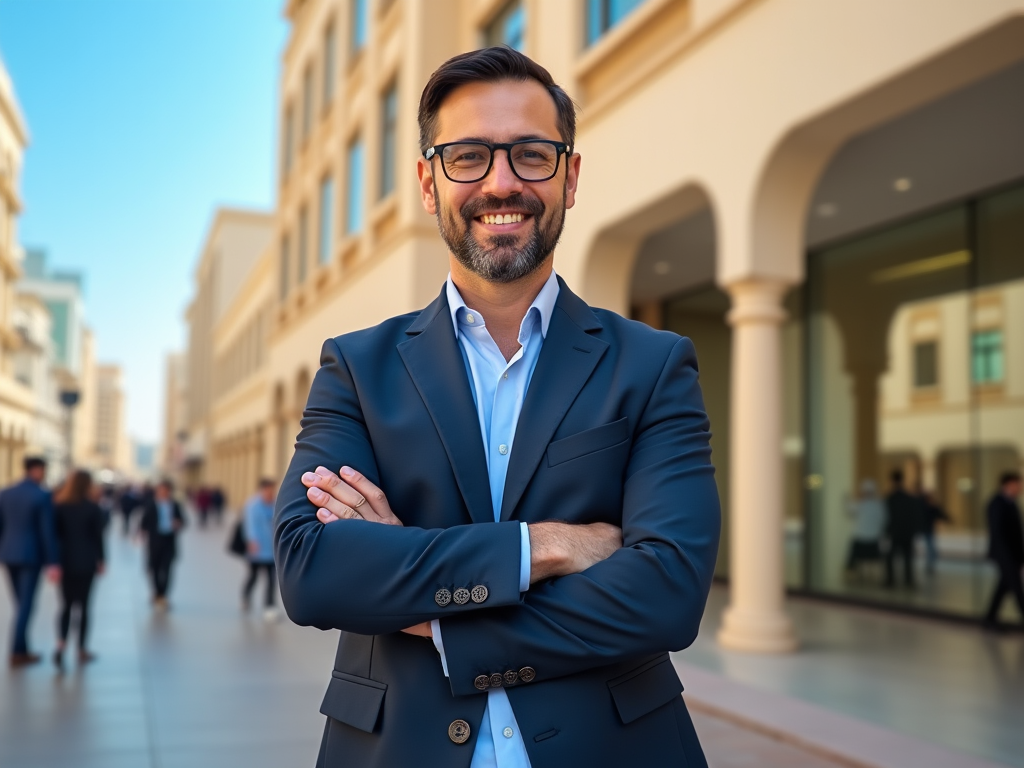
(163, 493)
(499, 112)
(267, 492)
(1012, 489)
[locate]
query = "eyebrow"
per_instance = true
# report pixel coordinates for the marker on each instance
(521, 137)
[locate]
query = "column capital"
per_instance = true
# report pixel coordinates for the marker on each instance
(757, 300)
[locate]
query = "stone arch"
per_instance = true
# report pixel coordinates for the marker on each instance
(607, 274)
(784, 186)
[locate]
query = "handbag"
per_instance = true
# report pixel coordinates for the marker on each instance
(237, 544)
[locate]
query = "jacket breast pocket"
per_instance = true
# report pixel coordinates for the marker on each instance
(587, 442)
(355, 701)
(645, 688)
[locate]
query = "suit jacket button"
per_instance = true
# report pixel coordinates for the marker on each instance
(479, 593)
(458, 731)
(461, 596)
(442, 597)
(511, 677)
(482, 683)
(497, 680)
(526, 674)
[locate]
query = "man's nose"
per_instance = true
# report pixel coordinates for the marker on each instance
(500, 181)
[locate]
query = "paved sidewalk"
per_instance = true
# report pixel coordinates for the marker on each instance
(205, 685)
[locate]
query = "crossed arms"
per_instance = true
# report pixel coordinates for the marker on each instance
(591, 603)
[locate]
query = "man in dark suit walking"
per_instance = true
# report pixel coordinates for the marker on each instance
(525, 519)
(162, 519)
(28, 543)
(1006, 545)
(903, 523)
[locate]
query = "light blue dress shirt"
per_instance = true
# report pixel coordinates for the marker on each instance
(499, 388)
(164, 517)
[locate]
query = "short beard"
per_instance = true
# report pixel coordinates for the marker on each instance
(500, 262)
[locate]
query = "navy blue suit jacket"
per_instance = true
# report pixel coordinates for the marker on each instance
(28, 533)
(612, 429)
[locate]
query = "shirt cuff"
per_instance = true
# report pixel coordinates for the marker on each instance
(524, 557)
(435, 631)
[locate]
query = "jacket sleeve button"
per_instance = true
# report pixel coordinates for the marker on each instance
(442, 597)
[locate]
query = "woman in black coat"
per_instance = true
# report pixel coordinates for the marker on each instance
(80, 534)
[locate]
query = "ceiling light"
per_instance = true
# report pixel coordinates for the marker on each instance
(902, 184)
(827, 210)
(922, 267)
(662, 267)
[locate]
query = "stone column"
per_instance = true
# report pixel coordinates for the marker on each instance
(756, 618)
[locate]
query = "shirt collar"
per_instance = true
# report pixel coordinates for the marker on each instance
(544, 302)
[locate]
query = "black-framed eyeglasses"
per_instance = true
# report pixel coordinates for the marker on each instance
(467, 162)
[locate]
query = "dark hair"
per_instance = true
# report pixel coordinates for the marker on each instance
(490, 65)
(74, 489)
(897, 477)
(1009, 477)
(266, 482)
(167, 484)
(34, 462)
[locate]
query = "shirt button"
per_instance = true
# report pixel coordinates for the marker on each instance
(470, 319)
(502, 449)
(507, 733)
(506, 375)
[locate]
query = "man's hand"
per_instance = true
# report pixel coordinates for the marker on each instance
(53, 574)
(354, 498)
(349, 497)
(558, 549)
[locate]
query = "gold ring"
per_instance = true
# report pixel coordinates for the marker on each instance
(362, 500)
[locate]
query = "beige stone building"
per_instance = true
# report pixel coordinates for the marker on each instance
(232, 249)
(17, 402)
(171, 456)
(113, 448)
(784, 181)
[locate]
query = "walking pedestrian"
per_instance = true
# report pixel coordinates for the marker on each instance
(902, 525)
(1006, 545)
(28, 543)
(128, 503)
(162, 519)
(259, 535)
(217, 502)
(80, 524)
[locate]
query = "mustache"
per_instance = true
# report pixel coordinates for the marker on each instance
(481, 205)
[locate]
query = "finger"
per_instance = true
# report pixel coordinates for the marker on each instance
(327, 481)
(374, 496)
(335, 507)
(325, 516)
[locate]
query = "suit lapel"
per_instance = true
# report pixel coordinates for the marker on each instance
(434, 361)
(566, 361)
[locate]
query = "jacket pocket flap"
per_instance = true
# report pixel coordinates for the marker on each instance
(588, 441)
(352, 700)
(644, 689)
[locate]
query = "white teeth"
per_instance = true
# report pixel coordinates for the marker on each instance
(508, 218)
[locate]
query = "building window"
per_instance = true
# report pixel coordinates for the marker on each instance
(303, 243)
(388, 140)
(360, 20)
(354, 189)
(285, 267)
(307, 102)
(926, 368)
(330, 57)
(987, 357)
(326, 218)
(602, 15)
(288, 140)
(508, 27)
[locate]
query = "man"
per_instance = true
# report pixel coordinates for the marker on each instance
(524, 480)
(1006, 545)
(902, 525)
(28, 543)
(931, 515)
(162, 519)
(258, 520)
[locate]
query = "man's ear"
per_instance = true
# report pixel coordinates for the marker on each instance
(572, 179)
(427, 188)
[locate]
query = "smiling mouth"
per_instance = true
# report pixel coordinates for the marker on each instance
(498, 218)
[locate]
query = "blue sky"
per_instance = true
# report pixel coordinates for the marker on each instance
(144, 116)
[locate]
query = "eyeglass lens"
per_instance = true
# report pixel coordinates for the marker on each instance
(531, 161)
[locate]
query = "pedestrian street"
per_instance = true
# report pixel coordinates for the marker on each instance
(206, 685)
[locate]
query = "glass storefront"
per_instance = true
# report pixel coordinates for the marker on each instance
(904, 353)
